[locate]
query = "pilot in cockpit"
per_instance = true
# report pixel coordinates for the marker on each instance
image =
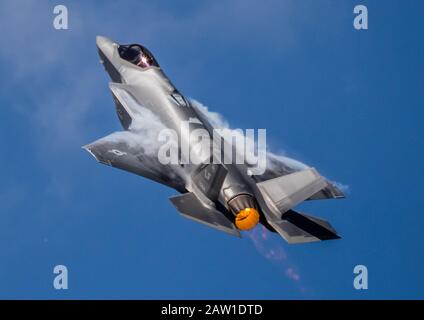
(137, 55)
(143, 60)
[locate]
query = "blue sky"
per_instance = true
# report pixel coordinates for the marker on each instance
(347, 102)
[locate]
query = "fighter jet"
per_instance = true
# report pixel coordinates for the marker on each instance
(224, 196)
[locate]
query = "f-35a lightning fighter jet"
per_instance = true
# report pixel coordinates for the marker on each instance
(223, 196)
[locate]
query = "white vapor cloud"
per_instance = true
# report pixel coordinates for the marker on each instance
(219, 122)
(142, 133)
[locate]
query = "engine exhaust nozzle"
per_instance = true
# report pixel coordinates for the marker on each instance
(245, 209)
(247, 219)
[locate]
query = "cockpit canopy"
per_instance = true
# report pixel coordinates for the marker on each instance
(137, 55)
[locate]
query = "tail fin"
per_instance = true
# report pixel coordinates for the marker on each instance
(331, 191)
(282, 194)
(285, 192)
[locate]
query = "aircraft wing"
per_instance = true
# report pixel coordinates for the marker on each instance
(116, 151)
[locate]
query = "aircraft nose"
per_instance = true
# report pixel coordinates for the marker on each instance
(101, 41)
(105, 45)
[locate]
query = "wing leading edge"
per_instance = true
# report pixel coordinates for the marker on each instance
(113, 150)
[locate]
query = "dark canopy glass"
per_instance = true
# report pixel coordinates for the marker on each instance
(137, 55)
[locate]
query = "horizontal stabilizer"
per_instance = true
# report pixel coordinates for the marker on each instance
(295, 227)
(191, 207)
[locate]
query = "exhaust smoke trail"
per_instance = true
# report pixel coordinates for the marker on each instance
(271, 249)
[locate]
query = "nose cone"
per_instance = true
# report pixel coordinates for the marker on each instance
(108, 57)
(103, 41)
(105, 46)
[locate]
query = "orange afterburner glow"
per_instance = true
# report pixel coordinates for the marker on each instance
(247, 218)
